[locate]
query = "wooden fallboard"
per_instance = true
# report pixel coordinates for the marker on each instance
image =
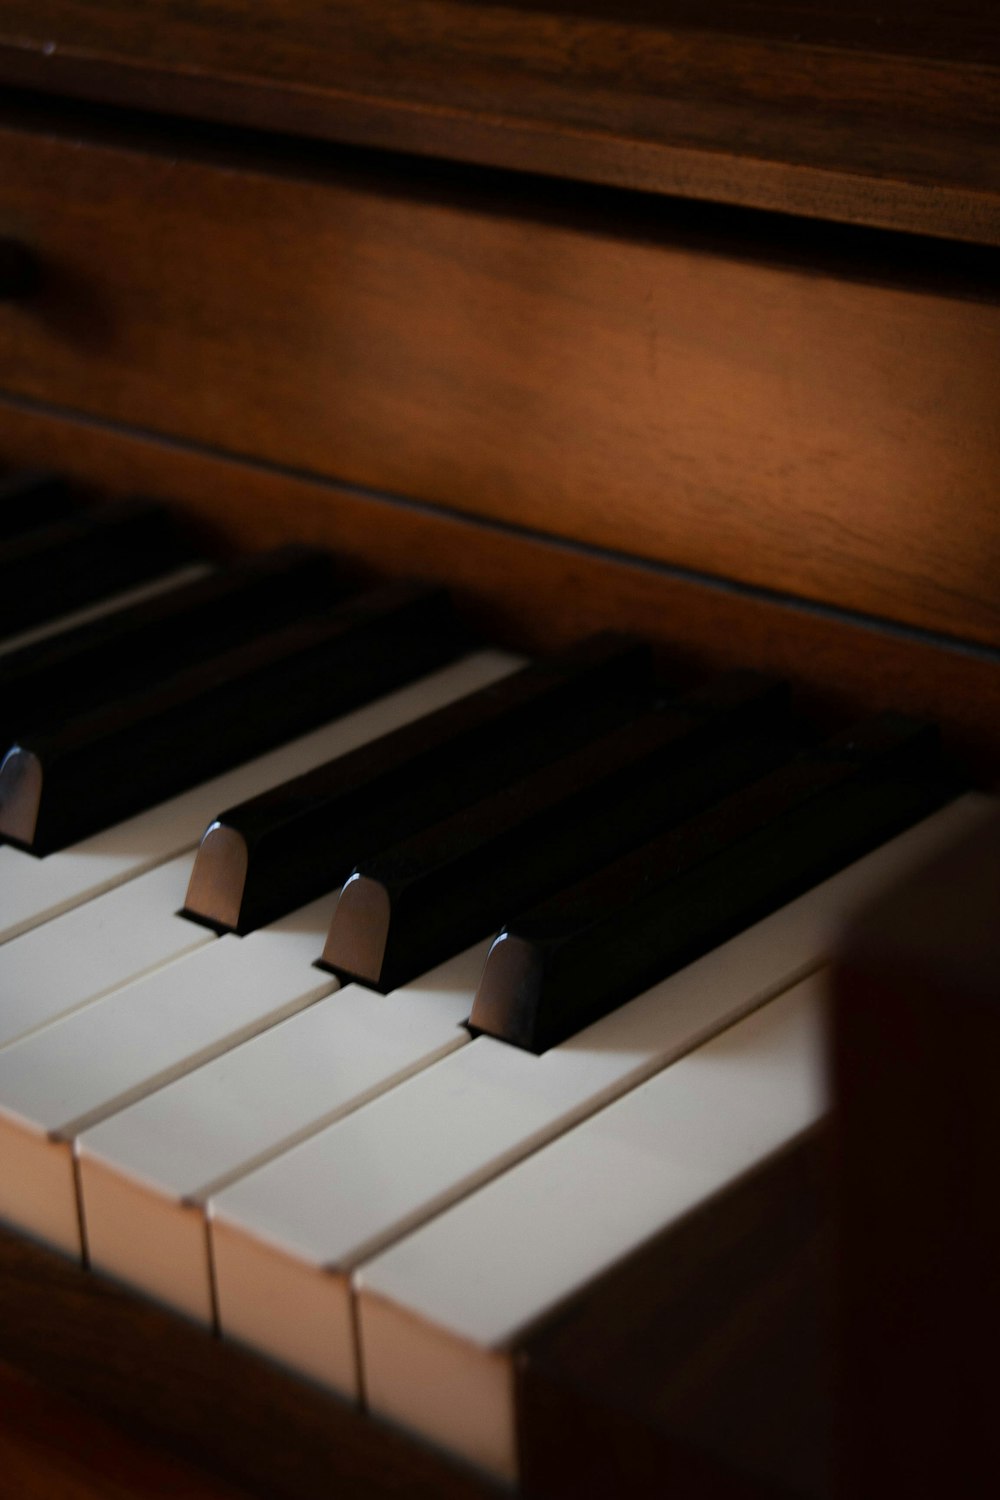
(882, 115)
(808, 412)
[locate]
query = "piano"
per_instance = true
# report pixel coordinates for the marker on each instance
(678, 321)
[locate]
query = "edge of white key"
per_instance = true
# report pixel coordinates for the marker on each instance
(438, 1312)
(58, 1081)
(146, 1171)
(52, 971)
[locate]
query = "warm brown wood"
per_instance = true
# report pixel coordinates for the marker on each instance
(169, 1382)
(700, 1365)
(537, 593)
(916, 1052)
(884, 116)
(779, 413)
(54, 1447)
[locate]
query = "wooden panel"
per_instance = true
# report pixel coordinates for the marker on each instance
(884, 117)
(50, 1446)
(533, 592)
(773, 412)
(167, 1381)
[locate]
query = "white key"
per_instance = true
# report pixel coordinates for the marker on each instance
(81, 956)
(298, 1225)
(145, 1172)
(439, 1311)
(70, 1075)
(35, 890)
(108, 606)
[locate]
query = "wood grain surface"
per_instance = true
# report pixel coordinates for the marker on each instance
(816, 416)
(535, 592)
(168, 1384)
(883, 116)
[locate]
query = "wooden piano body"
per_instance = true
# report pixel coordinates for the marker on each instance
(684, 321)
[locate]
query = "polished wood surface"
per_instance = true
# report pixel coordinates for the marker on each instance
(172, 1386)
(533, 591)
(772, 407)
(887, 116)
(53, 1448)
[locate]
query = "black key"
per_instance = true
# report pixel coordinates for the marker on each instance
(76, 561)
(412, 905)
(131, 649)
(29, 500)
(580, 954)
(59, 786)
(289, 845)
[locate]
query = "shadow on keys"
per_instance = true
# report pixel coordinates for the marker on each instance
(823, 1328)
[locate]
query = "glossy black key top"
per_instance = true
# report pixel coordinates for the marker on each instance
(410, 906)
(131, 649)
(29, 500)
(587, 950)
(78, 560)
(289, 845)
(61, 785)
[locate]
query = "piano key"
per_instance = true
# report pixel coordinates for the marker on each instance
(81, 559)
(62, 784)
(441, 1311)
(287, 846)
(30, 498)
(80, 669)
(145, 1173)
(33, 891)
(123, 599)
(287, 1235)
(85, 953)
(58, 1081)
(586, 950)
(411, 904)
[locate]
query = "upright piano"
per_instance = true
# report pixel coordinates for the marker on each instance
(681, 320)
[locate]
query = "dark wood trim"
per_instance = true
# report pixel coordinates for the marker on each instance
(819, 113)
(167, 1382)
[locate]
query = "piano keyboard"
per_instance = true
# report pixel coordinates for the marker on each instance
(351, 1182)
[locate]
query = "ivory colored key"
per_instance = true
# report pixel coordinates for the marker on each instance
(287, 1235)
(60, 1080)
(34, 890)
(146, 1172)
(439, 1314)
(76, 958)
